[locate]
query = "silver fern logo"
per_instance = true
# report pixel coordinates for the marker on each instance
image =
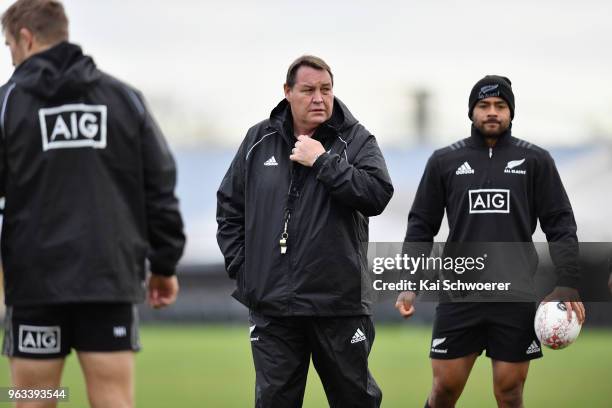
(511, 167)
(437, 342)
(488, 91)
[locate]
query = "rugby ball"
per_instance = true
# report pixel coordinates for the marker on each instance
(552, 327)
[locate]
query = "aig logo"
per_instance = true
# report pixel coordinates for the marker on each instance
(39, 339)
(71, 126)
(489, 201)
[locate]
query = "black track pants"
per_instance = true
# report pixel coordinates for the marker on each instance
(339, 346)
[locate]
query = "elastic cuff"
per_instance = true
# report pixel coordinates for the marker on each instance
(316, 166)
(568, 281)
(163, 271)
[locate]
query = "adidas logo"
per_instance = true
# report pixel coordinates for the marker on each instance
(533, 348)
(358, 336)
(271, 162)
(119, 331)
(465, 169)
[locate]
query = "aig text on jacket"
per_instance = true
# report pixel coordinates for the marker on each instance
(458, 265)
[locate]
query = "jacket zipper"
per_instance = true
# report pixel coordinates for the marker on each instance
(489, 166)
(285, 235)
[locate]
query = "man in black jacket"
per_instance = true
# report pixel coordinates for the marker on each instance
(88, 183)
(293, 214)
(494, 188)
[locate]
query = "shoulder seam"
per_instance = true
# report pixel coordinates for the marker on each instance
(256, 143)
(4, 103)
(345, 147)
(138, 104)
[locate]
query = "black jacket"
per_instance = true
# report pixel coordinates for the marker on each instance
(326, 208)
(497, 195)
(89, 185)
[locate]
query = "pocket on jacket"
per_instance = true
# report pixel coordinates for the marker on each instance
(237, 264)
(240, 293)
(240, 280)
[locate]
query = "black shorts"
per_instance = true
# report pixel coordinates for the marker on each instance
(505, 330)
(51, 331)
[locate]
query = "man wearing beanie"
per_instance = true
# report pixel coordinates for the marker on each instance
(494, 188)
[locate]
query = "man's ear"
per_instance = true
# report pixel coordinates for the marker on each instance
(286, 89)
(26, 38)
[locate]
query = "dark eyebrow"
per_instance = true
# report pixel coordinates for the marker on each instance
(312, 86)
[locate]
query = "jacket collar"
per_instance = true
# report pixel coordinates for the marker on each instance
(478, 139)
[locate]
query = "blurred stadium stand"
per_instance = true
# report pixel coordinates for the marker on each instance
(205, 288)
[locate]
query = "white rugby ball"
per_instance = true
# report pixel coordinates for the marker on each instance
(552, 327)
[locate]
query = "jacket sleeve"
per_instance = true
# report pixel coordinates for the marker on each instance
(230, 214)
(3, 164)
(2, 167)
(164, 221)
(364, 184)
(425, 216)
(557, 221)
(427, 210)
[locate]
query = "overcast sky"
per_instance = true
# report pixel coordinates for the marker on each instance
(212, 69)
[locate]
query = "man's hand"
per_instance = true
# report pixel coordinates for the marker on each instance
(162, 290)
(306, 151)
(571, 298)
(404, 304)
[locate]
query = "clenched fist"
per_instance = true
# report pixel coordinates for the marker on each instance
(306, 151)
(405, 304)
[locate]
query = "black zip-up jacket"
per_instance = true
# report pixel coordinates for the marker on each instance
(89, 185)
(497, 195)
(326, 209)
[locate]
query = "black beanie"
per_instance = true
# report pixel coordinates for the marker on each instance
(492, 85)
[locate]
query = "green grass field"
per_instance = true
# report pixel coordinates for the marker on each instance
(210, 366)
